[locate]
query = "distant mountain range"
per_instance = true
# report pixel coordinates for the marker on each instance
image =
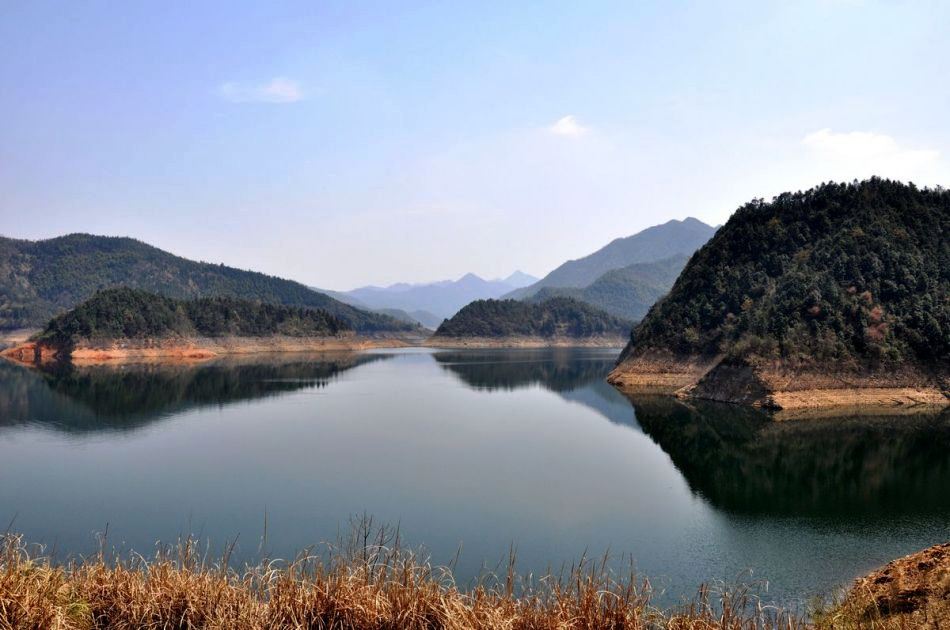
(432, 302)
(651, 245)
(42, 279)
(624, 278)
(628, 292)
(627, 276)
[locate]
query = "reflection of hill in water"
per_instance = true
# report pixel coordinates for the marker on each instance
(576, 374)
(113, 398)
(742, 461)
(556, 369)
(603, 398)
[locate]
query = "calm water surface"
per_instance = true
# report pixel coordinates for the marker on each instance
(482, 449)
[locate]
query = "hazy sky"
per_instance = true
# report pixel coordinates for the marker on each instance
(350, 143)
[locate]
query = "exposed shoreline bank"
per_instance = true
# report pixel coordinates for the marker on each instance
(195, 348)
(198, 349)
(777, 387)
(524, 342)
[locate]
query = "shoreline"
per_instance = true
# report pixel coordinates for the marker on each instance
(194, 349)
(777, 387)
(524, 342)
(177, 588)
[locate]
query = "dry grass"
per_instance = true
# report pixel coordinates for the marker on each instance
(865, 613)
(910, 592)
(369, 582)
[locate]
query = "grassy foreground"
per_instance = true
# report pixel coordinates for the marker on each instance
(366, 583)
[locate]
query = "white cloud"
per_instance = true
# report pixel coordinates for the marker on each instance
(860, 154)
(277, 90)
(568, 126)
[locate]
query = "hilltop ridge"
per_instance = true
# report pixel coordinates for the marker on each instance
(655, 243)
(433, 301)
(125, 323)
(836, 295)
(42, 279)
(556, 321)
(628, 292)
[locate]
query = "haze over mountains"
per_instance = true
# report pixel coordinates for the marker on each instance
(41, 279)
(432, 302)
(652, 244)
(628, 292)
(624, 278)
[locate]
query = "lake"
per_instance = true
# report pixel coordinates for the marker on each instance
(476, 451)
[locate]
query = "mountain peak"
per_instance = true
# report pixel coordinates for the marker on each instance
(688, 221)
(519, 279)
(440, 299)
(653, 244)
(695, 222)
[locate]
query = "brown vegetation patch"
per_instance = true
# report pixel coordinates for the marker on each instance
(196, 349)
(370, 584)
(779, 384)
(911, 592)
(659, 373)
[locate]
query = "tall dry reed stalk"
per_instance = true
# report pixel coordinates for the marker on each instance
(366, 581)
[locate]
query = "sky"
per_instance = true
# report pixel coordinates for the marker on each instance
(350, 143)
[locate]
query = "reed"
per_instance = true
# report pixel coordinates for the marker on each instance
(367, 580)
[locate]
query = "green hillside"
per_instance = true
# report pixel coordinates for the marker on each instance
(650, 245)
(857, 275)
(628, 292)
(41, 279)
(125, 313)
(556, 317)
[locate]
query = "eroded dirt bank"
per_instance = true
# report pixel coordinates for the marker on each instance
(659, 373)
(776, 385)
(910, 592)
(194, 349)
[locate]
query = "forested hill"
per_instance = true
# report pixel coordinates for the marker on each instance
(652, 244)
(847, 274)
(126, 313)
(628, 292)
(556, 317)
(41, 279)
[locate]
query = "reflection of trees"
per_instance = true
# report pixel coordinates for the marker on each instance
(576, 374)
(113, 397)
(743, 461)
(604, 398)
(556, 369)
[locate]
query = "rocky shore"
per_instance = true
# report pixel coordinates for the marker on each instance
(777, 385)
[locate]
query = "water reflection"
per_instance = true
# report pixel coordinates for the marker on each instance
(486, 449)
(741, 460)
(556, 369)
(575, 374)
(126, 397)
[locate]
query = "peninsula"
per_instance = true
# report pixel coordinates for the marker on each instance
(130, 324)
(835, 296)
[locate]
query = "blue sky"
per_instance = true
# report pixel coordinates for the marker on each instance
(351, 143)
